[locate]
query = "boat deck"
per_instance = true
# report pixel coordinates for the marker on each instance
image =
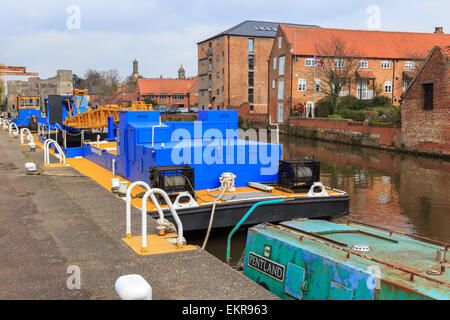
(204, 197)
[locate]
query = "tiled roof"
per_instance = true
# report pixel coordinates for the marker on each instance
(366, 74)
(249, 28)
(168, 86)
(362, 43)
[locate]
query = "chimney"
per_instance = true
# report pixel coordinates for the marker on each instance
(438, 30)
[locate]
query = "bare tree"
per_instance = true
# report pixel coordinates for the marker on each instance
(337, 67)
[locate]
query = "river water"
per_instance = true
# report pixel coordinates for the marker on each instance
(398, 191)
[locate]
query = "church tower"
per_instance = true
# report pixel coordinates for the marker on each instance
(135, 69)
(181, 73)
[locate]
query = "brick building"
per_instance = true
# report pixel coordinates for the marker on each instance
(232, 66)
(385, 63)
(170, 92)
(426, 106)
(35, 86)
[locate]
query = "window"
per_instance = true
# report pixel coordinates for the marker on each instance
(388, 87)
(202, 62)
(223, 88)
(280, 89)
(218, 58)
(251, 79)
(223, 71)
(409, 65)
(203, 46)
(218, 75)
(318, 85)
(150, 96)
(251, 62)
(250, 45)
(210, 67)
(301, 84)
(428, 96)
(309, 62)
(273, 84)
(385, 64)
(218, 91)
(218, 41)
(274, 63)
(196, 94)
(252, 107)
(363, 64)
(339, 63)
(250, 95)
(281, 71)
(177, 96)
(279, 42)
(163, 95)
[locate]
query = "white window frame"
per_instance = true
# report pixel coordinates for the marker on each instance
(273, 84)
(279, 42)
(280, 90)
(410, 65)
(385, 64)
(274, 63)
(302, 85)
(363, 64)
(280, 111)
(309, 108)
(339, 63)
(388, 84)
(309, 62)
(318, 85)
(281, 65)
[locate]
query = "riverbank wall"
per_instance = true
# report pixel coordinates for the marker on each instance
(337, 130)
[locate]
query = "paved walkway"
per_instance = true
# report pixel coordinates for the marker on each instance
(50, 222)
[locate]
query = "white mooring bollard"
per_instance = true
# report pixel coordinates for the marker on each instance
(133, 287)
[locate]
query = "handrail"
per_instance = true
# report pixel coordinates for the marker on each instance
(151, 192)
(29, 135)
(245, 218)
(128, 205)
(10, 128)
(62, 156)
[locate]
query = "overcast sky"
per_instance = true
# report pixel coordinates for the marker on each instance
(162, 34)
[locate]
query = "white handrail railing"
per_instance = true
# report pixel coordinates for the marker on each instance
(151, 192)
(62, 156)
(15, 126)
(128, 205)
(29, 135)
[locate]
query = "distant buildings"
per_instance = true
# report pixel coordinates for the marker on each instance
(386, 62)
(426, 106)
(170, 92)
(60, 84)
(232, 66)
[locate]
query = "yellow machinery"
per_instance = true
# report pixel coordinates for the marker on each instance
(98, 119)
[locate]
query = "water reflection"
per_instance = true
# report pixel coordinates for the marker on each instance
(397, 191)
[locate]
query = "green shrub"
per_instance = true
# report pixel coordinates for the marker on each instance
(324, 107)
(356, 115)
(380, 101)
(347, 102)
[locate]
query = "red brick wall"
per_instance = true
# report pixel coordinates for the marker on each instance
(233, 61)
(428, 130)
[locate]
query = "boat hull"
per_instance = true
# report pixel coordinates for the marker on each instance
(229, 214)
